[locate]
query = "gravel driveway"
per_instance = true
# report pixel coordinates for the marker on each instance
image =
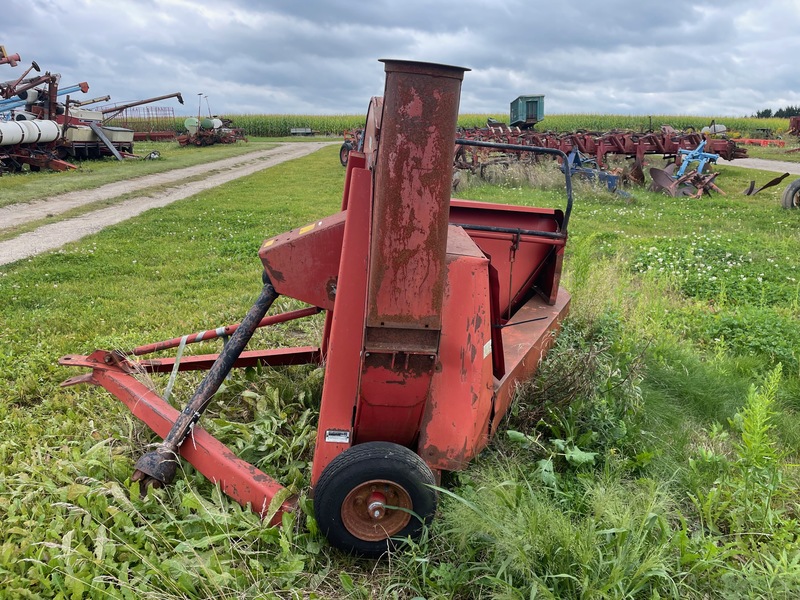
(54, 235)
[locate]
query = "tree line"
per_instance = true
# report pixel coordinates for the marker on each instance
(781, 113)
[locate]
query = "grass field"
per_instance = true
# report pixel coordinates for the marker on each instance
(654, 456)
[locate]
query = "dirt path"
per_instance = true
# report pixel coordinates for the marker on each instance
(778, 166)
(55, 235)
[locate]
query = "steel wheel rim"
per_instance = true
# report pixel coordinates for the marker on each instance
(360, 523)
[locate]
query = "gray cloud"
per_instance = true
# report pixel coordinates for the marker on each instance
(295, 56)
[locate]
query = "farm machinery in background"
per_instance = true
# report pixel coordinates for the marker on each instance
(588, 152)
(794, 126)
(154, 123)
(353, 140)
(90, 134)
(25, 136)
(591, 151)
(39, 130)
(8, 59)
(435, 309)
(206, 131)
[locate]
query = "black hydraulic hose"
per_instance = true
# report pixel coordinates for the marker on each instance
(158, 467)
(535, 150)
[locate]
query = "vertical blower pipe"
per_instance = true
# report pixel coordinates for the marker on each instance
(413, 179)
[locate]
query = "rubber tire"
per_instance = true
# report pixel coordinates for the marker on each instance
(365, 462)
(344, 153)
(791, 195)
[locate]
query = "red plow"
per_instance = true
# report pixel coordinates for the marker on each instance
(435, 309)
(597, 146)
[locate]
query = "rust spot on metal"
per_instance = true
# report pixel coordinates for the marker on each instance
(330, 288)
(453, 458)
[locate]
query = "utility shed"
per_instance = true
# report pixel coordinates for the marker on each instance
(526, 111)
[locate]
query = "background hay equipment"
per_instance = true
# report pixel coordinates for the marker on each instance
(794, 126)
(31, 138)
(435, 309)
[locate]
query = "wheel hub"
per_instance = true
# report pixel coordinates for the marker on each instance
(376, 510)
(377, 505)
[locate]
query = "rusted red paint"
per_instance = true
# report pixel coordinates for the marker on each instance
(236, 478)
(457, 411)
(667, 142)
(524, 269)
(303, 261)
(279, 357)
(372, 132)
(413, 177)
(525, 343)
(344, 346)
(203, 336)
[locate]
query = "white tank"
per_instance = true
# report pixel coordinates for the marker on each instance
(28, 132)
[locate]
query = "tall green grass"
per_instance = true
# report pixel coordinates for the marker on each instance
(653, 456)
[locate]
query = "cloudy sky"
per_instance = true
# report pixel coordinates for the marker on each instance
(715, 57)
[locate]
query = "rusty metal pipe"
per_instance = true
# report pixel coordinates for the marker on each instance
(77, 103)
(12, 88)
(512, 230)
(10, 59)
(204, 336)
(413, 179)
(17, 88)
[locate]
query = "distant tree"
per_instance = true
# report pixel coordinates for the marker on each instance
(789, 111)
(781, 113)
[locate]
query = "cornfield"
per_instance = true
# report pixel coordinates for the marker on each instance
(744, 126)
(281, 125)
